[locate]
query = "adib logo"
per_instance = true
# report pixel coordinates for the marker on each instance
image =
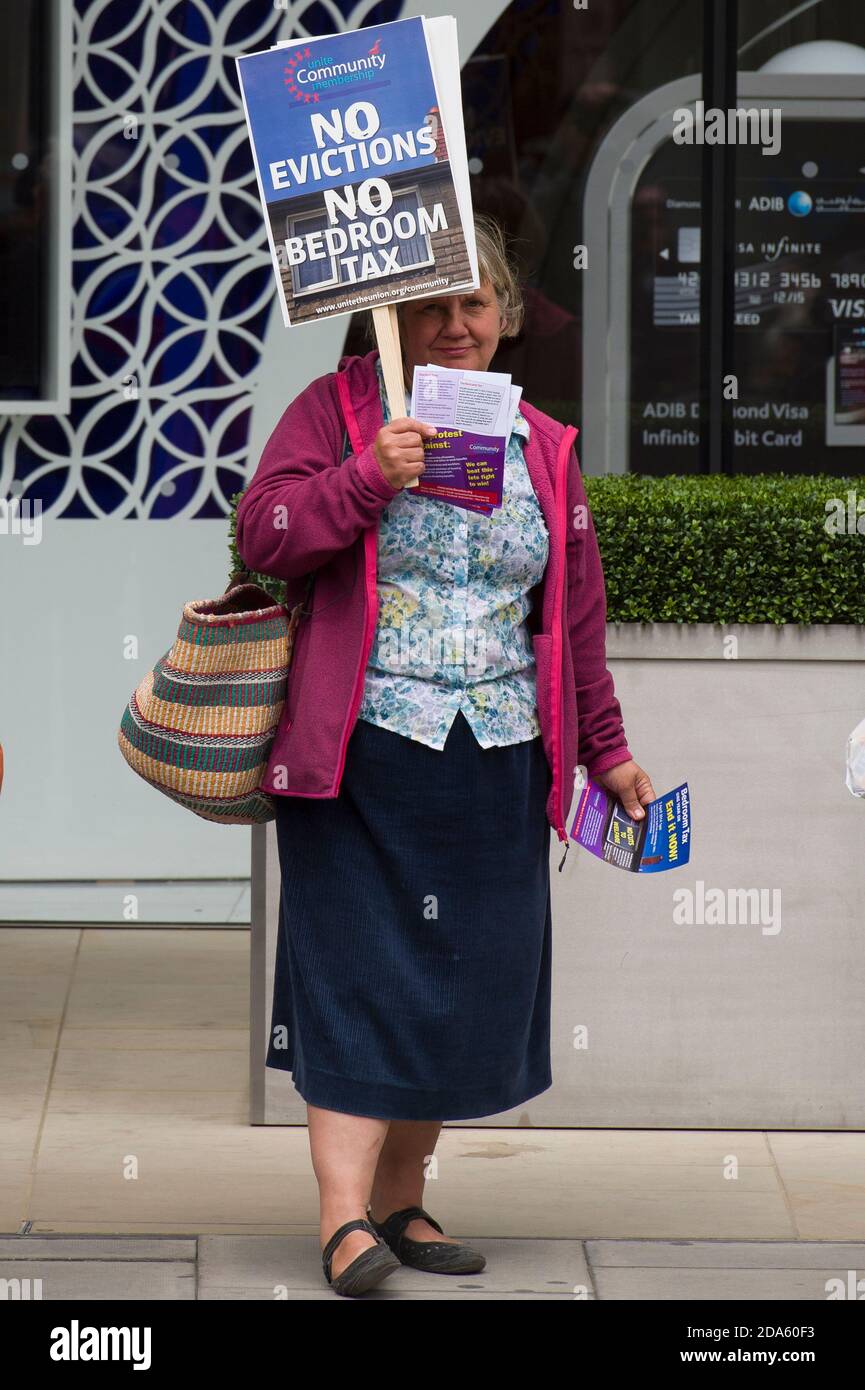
(308, 78)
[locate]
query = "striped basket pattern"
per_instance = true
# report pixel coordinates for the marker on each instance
(200, 725)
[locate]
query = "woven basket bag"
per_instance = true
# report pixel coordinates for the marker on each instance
(200, 725)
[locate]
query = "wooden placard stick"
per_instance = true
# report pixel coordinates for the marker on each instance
(387, 339)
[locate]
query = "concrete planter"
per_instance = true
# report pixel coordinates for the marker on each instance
(726, 994)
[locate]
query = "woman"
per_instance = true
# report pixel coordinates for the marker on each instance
(428, 741)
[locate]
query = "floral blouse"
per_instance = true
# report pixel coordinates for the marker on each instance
(453, 588)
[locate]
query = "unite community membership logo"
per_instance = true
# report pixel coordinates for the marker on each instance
(308, 75)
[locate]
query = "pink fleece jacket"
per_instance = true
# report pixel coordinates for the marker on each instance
(304, 510)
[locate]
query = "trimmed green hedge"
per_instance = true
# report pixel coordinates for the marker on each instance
(727, 549)
(720, 549)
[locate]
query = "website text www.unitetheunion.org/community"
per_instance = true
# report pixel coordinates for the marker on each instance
(382, 294)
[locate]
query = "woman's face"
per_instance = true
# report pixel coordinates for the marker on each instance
(451, 330)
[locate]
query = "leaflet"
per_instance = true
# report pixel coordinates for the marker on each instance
(473, 413)
(661, 840)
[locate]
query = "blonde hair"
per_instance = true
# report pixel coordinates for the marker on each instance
(494, 266)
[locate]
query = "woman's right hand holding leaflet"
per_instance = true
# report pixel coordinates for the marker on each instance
(399, 449)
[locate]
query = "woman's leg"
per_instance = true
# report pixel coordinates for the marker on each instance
(344, 1151)
(400, 1174)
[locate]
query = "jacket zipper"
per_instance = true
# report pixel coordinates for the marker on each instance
(370, 561)
(370, 543)
(561, 507)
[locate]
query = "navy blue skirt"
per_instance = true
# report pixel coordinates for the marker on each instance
(413, 964)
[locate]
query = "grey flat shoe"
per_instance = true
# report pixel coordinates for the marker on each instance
(368, 1269)
(435, 1256)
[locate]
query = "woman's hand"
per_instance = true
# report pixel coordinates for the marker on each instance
(399, 449)
(630, 784)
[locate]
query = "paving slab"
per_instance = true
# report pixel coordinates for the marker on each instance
(717, 1285)
(97, 1247)
(726, 1254)
(104, 1280)
(393, 1293)
(262, 1264)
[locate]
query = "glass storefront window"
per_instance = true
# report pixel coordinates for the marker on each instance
(569, 121)
(800, 243)
(30, 197)
(540, 94)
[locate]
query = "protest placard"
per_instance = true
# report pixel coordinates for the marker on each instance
(359, 151)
